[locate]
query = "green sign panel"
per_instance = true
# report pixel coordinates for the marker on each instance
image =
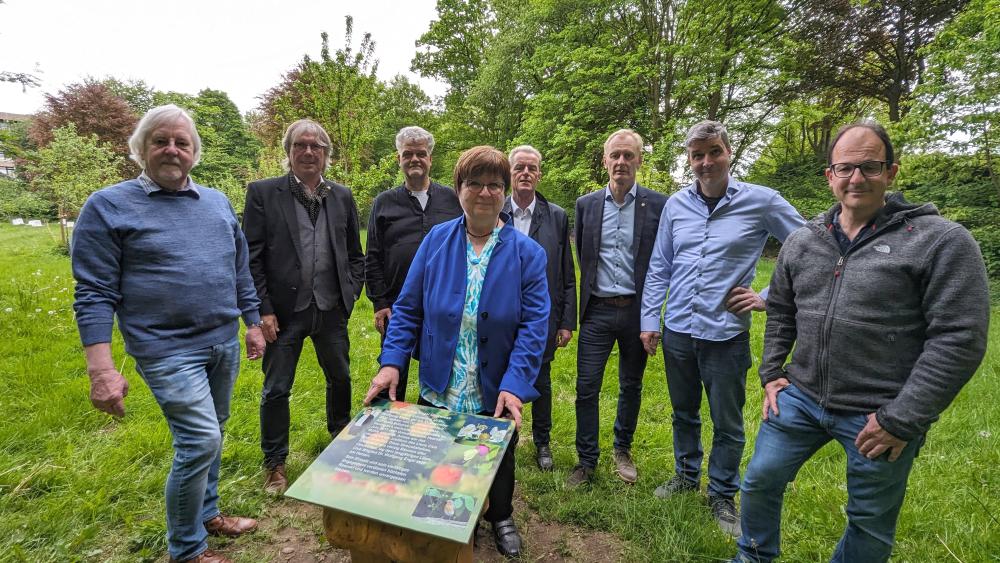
(420, 468)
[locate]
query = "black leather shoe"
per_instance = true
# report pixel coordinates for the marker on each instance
(507, 538)
(543, 455)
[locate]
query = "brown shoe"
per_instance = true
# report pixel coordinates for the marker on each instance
(230, 526)
(581, 475)
(625, 467)
(207, 556)
(276, 481)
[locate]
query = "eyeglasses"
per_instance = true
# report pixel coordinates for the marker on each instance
(301, 147)
(494, 187)
(869, 169)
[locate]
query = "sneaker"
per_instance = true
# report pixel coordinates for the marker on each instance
(676, 484)
(625, 467)
(725, 514)
(579, 476)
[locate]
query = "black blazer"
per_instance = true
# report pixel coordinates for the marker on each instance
(272, 232)
(550, 228)
(589, 218)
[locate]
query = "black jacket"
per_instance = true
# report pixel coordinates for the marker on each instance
(271, 228)
(396, 227)
(550, 228)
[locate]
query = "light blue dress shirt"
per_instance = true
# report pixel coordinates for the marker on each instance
(699, 257)
(616, 264)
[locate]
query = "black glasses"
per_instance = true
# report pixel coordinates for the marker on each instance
(869, 169)
(301, 147)
(494, 187)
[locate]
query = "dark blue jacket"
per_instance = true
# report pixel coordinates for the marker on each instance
(513, 312)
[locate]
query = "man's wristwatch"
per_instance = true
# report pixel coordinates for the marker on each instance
(258, 324)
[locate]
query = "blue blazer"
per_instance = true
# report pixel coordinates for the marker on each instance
(513, 312)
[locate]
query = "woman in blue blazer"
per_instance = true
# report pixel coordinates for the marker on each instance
(474, 312)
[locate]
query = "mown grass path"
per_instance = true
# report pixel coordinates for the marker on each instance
(78, 485)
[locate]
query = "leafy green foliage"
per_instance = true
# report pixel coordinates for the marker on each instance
(71, 167)
(18, 200)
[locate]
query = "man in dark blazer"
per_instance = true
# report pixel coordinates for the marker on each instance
(399, 221)
(308, 266)
(615, 231)
(546, 224)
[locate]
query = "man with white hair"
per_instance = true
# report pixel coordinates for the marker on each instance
(545, 223)
(710, 237)
(166, 256)
(399, 221)
(308, 266)
(615, 231)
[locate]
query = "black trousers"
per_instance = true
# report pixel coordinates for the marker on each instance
(328, 331)
(501, 493)
(603, 324)
(541, 408)
(404, 371)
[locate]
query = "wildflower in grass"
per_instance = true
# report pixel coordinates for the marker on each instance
(8, 310)
(38, 310)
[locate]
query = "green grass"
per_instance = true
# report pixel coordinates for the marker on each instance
(77, 485)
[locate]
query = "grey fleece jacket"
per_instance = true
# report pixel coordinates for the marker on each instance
(896, 326)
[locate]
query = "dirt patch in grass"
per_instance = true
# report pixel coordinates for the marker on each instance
(292, 532)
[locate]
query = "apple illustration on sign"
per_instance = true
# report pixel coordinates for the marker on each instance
(446, 475)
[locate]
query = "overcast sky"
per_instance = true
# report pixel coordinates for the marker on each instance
(242, 47)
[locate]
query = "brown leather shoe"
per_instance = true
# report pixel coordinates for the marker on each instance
(207, 556)
(276, 481)
(625, 467)
(230, 526)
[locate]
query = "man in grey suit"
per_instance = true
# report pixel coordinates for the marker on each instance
(307, 264)
(546, 224)
(615, 231)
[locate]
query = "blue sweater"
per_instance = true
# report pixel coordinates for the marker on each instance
(173, 268)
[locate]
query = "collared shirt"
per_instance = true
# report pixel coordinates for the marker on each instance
(843, 241)
(700, 256)
(322, 181)
(464, 393)
(151, 187)
(616, 264)
(522, 217)
(421, 196)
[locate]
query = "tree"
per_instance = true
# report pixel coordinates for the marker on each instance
(93, 109)
(868, 49)
(338, 91)
(71, 167)
(958, 107)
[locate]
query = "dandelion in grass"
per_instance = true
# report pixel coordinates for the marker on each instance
(985, 434)
(38, 310)
(8, 310)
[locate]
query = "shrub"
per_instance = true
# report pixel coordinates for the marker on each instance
(17, 200)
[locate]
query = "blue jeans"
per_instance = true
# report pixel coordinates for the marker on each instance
(721, 367)
(875, 487)
(602, 325)
(193, 390)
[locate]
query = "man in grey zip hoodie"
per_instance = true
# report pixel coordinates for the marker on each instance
(887, 306)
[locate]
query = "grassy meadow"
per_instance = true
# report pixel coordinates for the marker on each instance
(77, 485)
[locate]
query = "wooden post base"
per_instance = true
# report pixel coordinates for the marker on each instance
(371, 541)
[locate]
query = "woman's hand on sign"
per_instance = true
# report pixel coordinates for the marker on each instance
(510, 403)
(386, 378)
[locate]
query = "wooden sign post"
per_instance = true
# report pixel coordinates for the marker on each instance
(406, 483)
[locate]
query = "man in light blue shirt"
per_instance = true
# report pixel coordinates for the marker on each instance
(615, 230)
(710, 237)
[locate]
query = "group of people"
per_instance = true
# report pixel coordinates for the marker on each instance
(885, 303)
